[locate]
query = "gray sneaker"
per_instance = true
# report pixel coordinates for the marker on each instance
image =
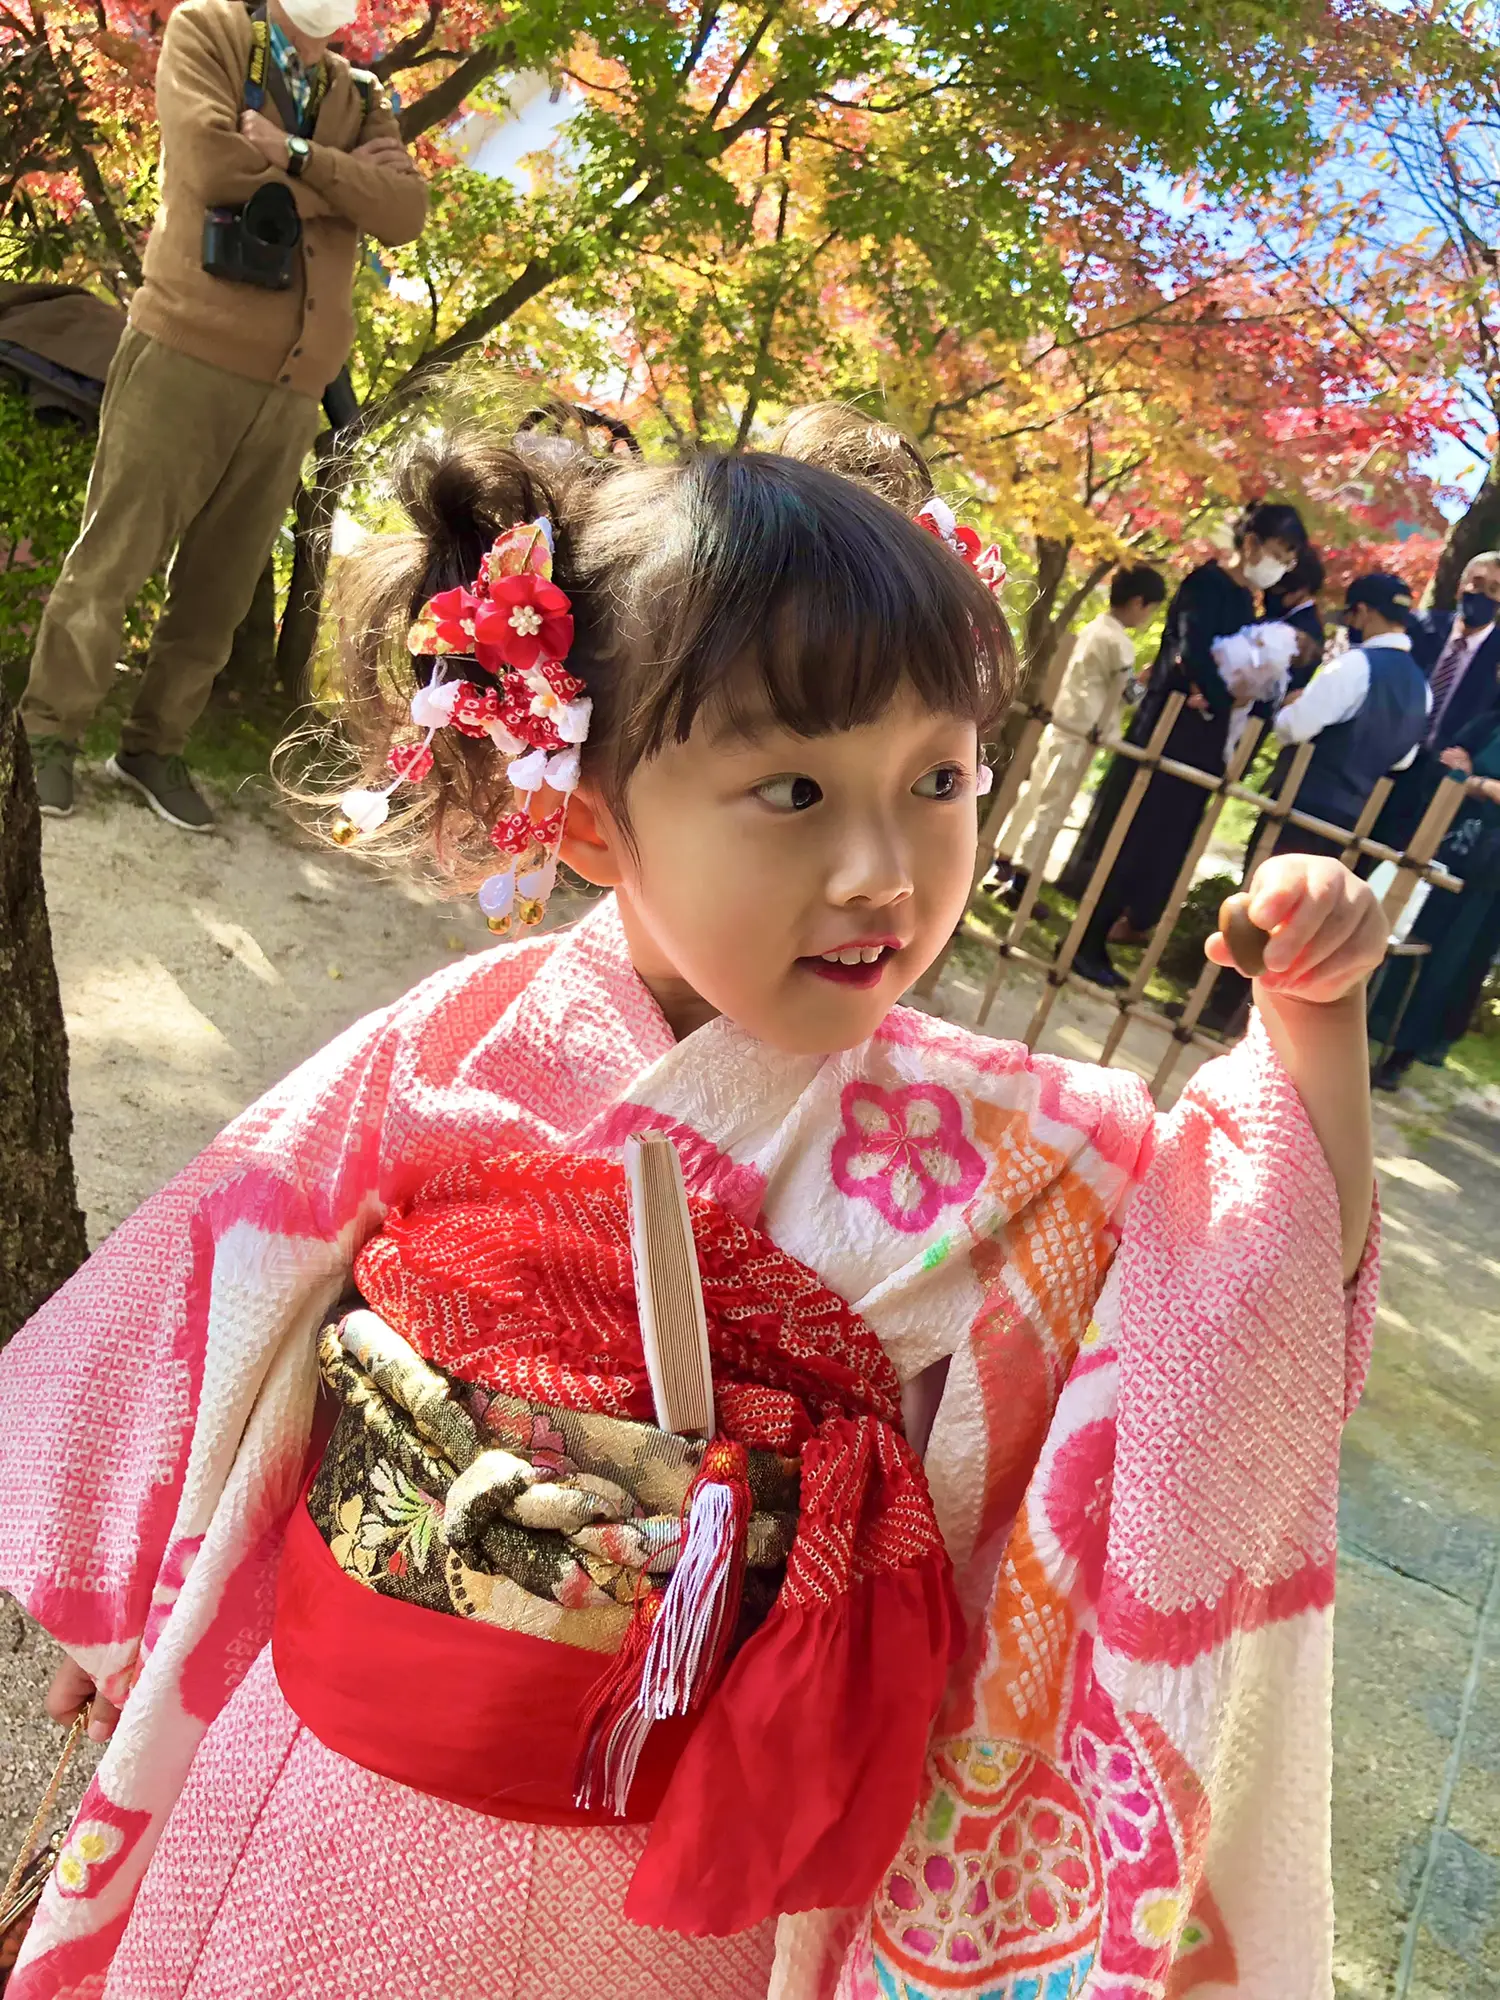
(164, 783)
(52, 767)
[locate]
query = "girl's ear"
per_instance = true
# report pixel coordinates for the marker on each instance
(591, 843)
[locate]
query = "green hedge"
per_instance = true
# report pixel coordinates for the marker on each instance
(44, 473)
(44, 468)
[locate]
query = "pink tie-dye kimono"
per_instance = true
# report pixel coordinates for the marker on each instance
(1134, 1458)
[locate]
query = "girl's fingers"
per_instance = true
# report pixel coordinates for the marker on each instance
(1336, 925)
(1338, 959)
(1294, 932)
(1333, 977)
(103, 1715)
(69, 1690)
(1277, 889)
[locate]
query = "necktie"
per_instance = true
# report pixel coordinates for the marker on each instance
(1444, 674)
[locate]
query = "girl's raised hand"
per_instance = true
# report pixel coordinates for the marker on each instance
(1327, 931)
(71, 1690)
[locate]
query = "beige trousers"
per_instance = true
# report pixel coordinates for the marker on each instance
(193, 460)
(1060, 768)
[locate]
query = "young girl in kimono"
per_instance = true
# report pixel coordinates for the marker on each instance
(984, 1648)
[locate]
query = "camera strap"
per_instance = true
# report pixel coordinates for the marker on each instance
(263, 78)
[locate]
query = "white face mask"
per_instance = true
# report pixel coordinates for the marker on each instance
(1261, 573)
(319, 18)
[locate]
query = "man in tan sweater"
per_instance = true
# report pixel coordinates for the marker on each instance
(212, 401)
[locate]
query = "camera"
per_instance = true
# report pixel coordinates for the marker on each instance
(254, 244)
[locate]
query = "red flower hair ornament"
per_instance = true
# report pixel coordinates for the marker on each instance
(986, 561)
(516, 626)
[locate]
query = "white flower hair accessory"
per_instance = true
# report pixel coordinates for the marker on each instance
(516, 626)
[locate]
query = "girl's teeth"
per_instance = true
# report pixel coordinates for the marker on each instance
(855, 955)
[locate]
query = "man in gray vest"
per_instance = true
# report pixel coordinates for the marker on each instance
(1367, 711)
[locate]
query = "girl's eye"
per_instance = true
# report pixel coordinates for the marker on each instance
(789, 794)
(948, 781)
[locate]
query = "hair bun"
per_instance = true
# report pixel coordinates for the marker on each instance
(873, 454)
(460, 492)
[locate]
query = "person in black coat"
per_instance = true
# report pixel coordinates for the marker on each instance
(1462, 930)
(1294, 601)
(1214, 600)
(1460, 654)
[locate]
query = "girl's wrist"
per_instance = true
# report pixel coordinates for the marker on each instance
(1352, 1003)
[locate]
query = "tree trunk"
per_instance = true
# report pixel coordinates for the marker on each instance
(1474, 533)
(1039, 636)
(312, 526)
(1042, 629)
(41, 1227)
(250, 669)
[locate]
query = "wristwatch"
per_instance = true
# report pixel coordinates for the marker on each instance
(297, 151)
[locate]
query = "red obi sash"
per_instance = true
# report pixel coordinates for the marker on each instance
(791, 1785)
(491, 1719)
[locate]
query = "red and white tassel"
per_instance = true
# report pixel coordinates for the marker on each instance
(614, 1727)
(678, 1636)
(702, 1598)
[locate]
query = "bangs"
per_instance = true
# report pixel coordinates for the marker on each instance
(774, 592)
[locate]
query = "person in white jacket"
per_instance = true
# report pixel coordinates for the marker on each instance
(1093, 687)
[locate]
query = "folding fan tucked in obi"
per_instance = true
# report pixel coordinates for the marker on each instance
(669, 1293)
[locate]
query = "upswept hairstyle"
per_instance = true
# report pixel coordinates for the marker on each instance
(738, 589)
(871, 453)
(1271, 521)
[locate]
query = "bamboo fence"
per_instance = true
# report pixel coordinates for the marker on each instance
(1414, 863)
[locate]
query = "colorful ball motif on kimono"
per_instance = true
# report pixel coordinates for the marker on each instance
(1003, 1877)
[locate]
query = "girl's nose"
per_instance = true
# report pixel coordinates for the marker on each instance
(870, 867)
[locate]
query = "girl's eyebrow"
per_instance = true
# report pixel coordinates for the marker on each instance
(747, 728)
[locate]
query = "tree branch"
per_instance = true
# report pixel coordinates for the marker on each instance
(746, 55)
(408, 50)
(445, 99)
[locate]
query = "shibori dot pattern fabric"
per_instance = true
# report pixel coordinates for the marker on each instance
(1133, 1463)
(287, 1871)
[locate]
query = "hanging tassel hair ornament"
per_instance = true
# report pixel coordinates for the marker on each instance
(516, 626)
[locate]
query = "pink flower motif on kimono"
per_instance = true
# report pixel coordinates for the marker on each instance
(905, 1152)
(1124, 1807)
(170, 1579)
(1077, 1500)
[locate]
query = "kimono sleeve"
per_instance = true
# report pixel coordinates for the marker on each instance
(101, 1391)
(1241, 1354)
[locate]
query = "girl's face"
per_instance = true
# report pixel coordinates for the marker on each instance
(798, 885)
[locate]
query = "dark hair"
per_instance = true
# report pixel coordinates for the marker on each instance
(860, 448)
(1305, 575)
(735, 588)
(1271, 521)
(1138, 580)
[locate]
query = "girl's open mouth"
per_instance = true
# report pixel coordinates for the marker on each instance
(854, 965)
